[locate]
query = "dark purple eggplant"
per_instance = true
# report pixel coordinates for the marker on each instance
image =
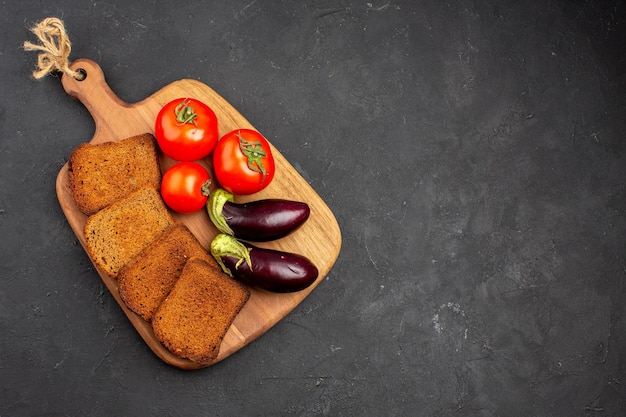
(269, 269)
(257, 221)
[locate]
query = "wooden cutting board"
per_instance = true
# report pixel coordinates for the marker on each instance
(319, 238)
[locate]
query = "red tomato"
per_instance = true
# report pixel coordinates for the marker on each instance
(186, 129)
(243, 162)
(185, 186)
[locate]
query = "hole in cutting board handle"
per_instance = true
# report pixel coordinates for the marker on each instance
(83, 74)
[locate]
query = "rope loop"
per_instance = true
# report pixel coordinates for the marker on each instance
(54, 48)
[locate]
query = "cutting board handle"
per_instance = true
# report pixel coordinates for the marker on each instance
(105, 106)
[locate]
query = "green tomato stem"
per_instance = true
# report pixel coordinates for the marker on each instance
(254, 153)
(185, 113)
(226, 245)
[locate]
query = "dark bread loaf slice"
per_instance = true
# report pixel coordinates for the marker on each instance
(104, 173)
(193, 319)
(145, 282)
(116, 234)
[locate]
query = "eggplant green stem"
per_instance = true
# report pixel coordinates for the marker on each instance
(215, 206)
(226, 245)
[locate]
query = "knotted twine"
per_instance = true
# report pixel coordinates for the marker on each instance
(54, 49)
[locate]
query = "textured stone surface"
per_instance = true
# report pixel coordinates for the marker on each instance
(473, 153)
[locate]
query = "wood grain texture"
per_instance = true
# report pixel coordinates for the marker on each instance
(319, 238)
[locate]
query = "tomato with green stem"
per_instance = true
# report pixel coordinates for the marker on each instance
(185, 187)
(243, 162)
(186, 129)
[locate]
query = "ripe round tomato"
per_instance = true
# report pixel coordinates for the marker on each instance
(185, 187)
(186, 129)
(243, 162)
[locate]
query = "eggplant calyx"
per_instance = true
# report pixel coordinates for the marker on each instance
(226, 245)
(215, 205)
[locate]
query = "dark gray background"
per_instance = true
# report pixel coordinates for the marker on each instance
(472, 152)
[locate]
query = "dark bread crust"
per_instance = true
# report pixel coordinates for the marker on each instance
(144, 283)
(104, 173)
(115, 235)
(194, 318)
